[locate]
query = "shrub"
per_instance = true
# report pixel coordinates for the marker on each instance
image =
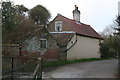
(112, 53)
(104, 50)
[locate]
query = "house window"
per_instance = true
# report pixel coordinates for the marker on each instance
(43, 43)
(58, 26)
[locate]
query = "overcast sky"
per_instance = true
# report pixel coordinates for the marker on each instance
(97, 13)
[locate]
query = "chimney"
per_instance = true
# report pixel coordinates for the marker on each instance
(76, 14)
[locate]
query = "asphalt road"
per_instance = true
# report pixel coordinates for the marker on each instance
(93, 69)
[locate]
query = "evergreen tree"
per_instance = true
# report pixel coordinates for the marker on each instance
(40, 14)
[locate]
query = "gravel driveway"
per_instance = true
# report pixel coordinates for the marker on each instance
(93, 69)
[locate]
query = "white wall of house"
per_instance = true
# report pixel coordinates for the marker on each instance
(72, 41)
(84, 48)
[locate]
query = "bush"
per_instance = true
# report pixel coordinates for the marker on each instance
(112, 53)
(104, 50)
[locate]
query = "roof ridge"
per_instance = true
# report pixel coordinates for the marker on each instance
(65, 17)
(73, 20)
(85, 24)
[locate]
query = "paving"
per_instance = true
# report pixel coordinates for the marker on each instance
(93, 69)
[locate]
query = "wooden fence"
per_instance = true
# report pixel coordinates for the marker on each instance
(11, 50)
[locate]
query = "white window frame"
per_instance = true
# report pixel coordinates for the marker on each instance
(43, 43)
(56, 23)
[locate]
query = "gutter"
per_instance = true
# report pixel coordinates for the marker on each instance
(90, 36)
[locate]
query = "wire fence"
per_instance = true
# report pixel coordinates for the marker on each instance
(17, 67)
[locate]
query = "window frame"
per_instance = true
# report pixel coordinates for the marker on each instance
(42, 46)
(56, 23)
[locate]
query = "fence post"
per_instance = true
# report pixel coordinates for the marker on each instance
(12, 68)
(20, 54)
(40, 68)
(118, 64)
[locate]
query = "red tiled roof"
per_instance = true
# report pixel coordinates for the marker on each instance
(62, 38)
(80, 28)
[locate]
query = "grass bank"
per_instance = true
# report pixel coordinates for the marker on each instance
(60, 63)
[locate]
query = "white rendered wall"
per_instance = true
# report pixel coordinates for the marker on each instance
(84, 48)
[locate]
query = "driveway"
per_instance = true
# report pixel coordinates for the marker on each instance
(93, 69)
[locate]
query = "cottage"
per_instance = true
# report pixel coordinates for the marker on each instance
(75, 39)
(40, 43)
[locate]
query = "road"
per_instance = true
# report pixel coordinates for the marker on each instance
(93, 69)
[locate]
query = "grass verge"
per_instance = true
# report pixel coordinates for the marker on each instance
(60, 63)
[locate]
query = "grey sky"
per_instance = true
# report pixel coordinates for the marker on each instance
(97, 13)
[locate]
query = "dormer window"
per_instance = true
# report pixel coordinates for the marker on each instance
(58, 26)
